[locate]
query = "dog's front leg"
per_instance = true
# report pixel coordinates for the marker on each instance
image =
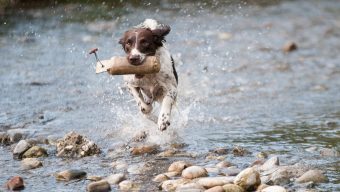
(144, 108)
(164, 115)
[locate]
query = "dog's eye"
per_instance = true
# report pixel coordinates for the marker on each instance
(129, 42)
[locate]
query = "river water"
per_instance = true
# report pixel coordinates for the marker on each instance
(236, 85)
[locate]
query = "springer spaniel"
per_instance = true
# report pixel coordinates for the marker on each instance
(147, 39)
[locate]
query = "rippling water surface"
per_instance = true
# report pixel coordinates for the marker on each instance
(236, 85)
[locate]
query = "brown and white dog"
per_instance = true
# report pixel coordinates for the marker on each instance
(147, 39)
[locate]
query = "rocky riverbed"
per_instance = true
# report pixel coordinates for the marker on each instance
(258, 88)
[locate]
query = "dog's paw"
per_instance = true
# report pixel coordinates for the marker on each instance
(145, 108)
(163, 122)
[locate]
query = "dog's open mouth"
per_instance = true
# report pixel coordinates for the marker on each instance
(139, 76)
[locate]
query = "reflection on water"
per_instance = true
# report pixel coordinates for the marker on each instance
(236, 85)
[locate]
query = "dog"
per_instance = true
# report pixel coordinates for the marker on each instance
(147, 39)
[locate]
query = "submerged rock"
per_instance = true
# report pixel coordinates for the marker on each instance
(232, 171)
(223, 164)
(232, 188)
(35, 152)
(248, 179)
(75, 145)
(289, 47)
(240, 151)
(115, 178)
(160, 178)
(70, 175)
(31, 163)
(4, 139)
(215, 189)
(98, 186)
(20, 148)
(194, 172)
(146, 149)
(315, 176)
(178, 166)
(15, 183)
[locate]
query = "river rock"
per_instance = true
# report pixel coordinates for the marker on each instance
(30, 163)
(136, 169)
(315, 176)
(213, 170)
(215, 189)
(115, 178)
(167, 153)
(128, 185)
(119, 165)
(190, 187)
(160, 178)
(171, 185)
(172, 173)
(329, 152)
(94, 178)
(75, 145)
(274, 188)
(15, 183)
(261, 187)
(4, 139)
(146, 149)
(232, 171)
(289, 47)
(220, 151)
(279, 177)
(248, 179)
(270, 163)
(71, 174)
(35, 152)
(223, 164)
(232, 188)
(194, 172)
(240, 151)
(98, 186)
(209, 182)
(16, 135)
(178, 166)
(20, 148)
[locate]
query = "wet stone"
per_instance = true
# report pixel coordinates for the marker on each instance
(223, 164)
(178, 166)
(115, 178)
(240, 151)
(209, 182)
(146, 149)
(315, 176)
(20, 148)
(35, 152)
(274, 188)
(329, 152)
(248, 179)
(75, 145)
(279, 177)
(194, 172)
(70, 175)
(30, 163)
(128, 185)
(215, 189)
(232, 171)
(99, 186)
(190, 187)
(289, 47)
(220, 151)
(4, 139)
(160, 178)
(270, 163)
(94, 178)
(171, 185)
(15, 183)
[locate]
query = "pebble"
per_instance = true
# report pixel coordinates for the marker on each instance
(190, 187)
(35, 152)
(232, 188)
(94, 178)
(232, 171)
(16, 135)
(274, 188)
(15, 183)
(128, 185)
(329, 152)
(119, 165)
(239, 151)
(171, 185)
(167, 153)
(160, 178)
(248, 179)
(194, 172)
(4, 139)
(223, 164)
(315, 176)
(172, 173)
(215, 189)
(262, 155)
(220, 151)
(289, 47)
(179, 166)
(261, 187)
(146, 149)
(115, 178)
(209, 182)
(20, 148)
(99, 186)
(31, 163)
(71, 174)
(279, 177)
(270, 163)
(213, 170)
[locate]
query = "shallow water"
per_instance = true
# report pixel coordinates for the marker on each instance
(236, 86)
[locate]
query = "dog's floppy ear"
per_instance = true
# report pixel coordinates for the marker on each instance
(160, 33)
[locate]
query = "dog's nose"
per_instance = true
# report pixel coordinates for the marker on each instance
(134, 59)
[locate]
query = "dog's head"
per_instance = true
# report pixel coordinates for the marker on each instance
(141, 42)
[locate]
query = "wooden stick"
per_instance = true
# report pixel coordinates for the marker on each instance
(120, 66)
